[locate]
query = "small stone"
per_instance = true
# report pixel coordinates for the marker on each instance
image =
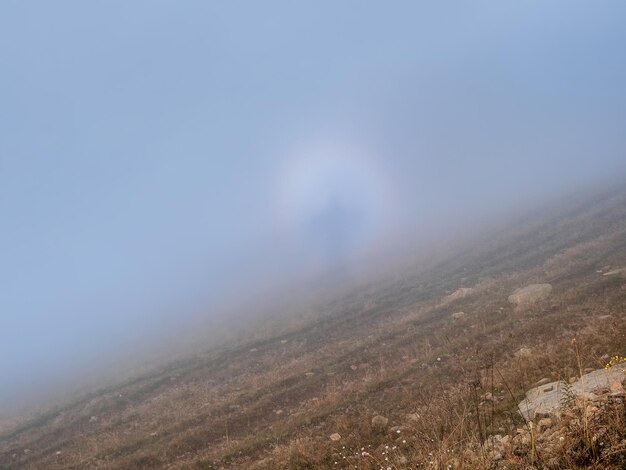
(335, 437)
(459, 294)
(530, 294)
(379, 422)
(353, 367)
(619, 272)
(412, 417)
(458, 315)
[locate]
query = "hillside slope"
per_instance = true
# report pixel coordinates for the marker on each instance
(438, 382)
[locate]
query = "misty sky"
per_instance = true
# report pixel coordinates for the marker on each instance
(158, 158)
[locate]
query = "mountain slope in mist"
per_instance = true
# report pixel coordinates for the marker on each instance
(391, 372)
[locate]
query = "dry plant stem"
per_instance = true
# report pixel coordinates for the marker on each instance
(493, 410)
(477, 411)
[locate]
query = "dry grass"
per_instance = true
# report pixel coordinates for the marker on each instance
(390, 349)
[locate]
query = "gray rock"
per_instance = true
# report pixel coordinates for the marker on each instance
(523, 352)
(379, 422)
(530, 294)
(619, 272)
(547, 398)
(412, 417)
(460, 293)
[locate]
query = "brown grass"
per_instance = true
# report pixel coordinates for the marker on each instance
(390, 349)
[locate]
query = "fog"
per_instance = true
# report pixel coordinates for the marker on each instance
(165, 164)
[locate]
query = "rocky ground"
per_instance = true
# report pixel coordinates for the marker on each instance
(569, 425)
